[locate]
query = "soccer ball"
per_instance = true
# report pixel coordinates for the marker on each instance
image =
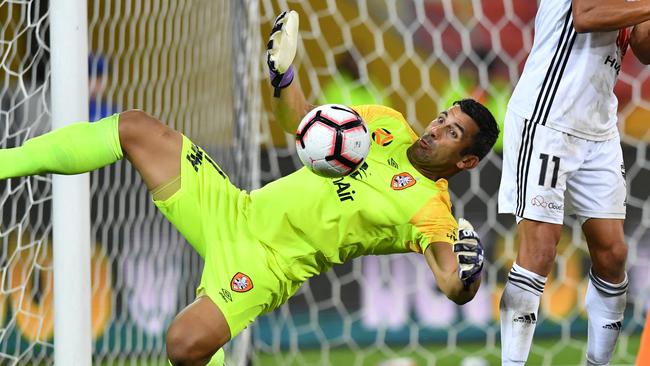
(332, 140)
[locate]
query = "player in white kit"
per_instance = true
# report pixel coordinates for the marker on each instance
(562, 150)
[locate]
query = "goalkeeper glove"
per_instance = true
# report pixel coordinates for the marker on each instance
(281, 49)
(469, 250)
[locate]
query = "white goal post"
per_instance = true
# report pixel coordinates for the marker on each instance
(70, 194)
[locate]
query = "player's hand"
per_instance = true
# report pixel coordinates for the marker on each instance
(281, 49)
(469, 250)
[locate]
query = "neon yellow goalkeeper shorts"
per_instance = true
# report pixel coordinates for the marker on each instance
(210, 212)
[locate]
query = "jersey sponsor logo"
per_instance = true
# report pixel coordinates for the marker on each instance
(382, 137)
(402, 181)
(241, 283)
(613, 63)
(196, 157)
(541, 202)
(343, 190)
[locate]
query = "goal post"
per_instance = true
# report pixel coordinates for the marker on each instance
(70, 194)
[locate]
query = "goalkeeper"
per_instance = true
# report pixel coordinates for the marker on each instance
(259, 247)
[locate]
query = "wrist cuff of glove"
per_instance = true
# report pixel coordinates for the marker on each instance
(470, 280)
(281, 80)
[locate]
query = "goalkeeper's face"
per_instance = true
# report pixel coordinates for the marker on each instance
(441, 146)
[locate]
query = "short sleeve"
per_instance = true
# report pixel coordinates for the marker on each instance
(435, 222)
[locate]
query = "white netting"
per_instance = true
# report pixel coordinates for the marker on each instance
(183, 62)
(418, 56)
(26, 293)
(175, 60)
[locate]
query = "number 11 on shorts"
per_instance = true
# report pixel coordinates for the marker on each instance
(542, 171)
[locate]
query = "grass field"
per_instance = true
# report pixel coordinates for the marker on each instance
(545, 352)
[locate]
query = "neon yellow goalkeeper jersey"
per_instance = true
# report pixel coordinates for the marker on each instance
(308, 223)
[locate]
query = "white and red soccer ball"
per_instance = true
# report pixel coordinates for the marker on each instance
(332, 140)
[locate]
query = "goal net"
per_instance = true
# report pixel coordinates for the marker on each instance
(199, 66)
(418, 56)
(184, 62)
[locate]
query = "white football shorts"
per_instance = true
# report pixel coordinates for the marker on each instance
(541, 164)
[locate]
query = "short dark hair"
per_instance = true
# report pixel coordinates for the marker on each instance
(488, 130)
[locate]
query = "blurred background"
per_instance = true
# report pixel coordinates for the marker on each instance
(199, 65)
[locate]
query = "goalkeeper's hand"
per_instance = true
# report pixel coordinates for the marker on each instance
(469, 250)
(281, 49)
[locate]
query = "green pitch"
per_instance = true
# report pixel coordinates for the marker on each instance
(544, 352)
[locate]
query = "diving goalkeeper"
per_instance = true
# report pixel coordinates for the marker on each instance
(259, 247)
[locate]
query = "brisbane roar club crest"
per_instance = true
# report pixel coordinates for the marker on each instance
(402, 181)
(382, 137)
(241, 283)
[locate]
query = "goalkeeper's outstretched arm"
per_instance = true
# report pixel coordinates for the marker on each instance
(442, 261)
(458, 269)
(290, 107)
(289, 103)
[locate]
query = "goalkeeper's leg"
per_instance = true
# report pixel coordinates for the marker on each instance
(151, 146)
(197, 333)
(154, 150)
(74, 149)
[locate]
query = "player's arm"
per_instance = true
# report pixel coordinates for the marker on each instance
(640, 42)
(458, 269)
(290, 107)
(289, 103)
(608, 15)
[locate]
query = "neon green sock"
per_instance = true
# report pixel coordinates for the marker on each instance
(73, 149)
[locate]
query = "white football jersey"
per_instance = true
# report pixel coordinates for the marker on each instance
(568, 80)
